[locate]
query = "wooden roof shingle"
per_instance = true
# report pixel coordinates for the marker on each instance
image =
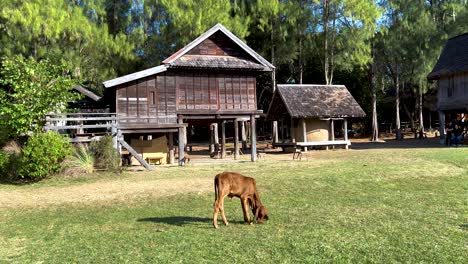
(323, 101)
(453, 59)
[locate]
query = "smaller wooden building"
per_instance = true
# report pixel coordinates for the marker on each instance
(307, 115)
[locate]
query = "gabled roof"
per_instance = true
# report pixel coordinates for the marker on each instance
(87, 92)
(134, 76)
(218, 27)
(453, 59)
(310, 100)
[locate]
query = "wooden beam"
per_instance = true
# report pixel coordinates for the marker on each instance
(236, 139)
(253, 139)
(149, 131)
(223, 139)
(135, 154)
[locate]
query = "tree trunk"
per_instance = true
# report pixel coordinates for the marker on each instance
(421, 120)
(326, 14)
(375, 124)
(397, 103)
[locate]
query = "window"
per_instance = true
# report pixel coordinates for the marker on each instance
(450, 87)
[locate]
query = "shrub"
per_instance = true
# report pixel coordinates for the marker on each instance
(80, 162)
(105, 155)
(9, 160)
(4, 164)
(42, 155)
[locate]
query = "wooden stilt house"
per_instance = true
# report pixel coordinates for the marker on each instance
(211, 80)
(451, 75)
(307, 116)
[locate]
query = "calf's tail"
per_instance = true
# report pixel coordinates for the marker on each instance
(216, 180)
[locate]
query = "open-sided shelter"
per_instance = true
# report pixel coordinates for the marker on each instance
(451, 74)
(211, 80)
(308, 114)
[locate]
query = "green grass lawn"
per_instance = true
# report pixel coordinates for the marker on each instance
(379, 206)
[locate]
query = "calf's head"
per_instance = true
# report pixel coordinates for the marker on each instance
(261, 214)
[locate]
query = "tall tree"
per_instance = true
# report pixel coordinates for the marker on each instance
(63, 31)
(346, 26)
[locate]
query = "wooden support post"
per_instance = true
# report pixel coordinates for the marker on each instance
(182, 131)
(442, 127)
(253, 138)
(236, 139)
(223, 139)
(119, 137)
(181, 146)
(114, 137)
(304, 132)
(332, 124)
(282, 130)
(346, 132)
(243, 137)
(212, 148)
(275, 131)
(216, 137)
(171, 147)
(293, 131)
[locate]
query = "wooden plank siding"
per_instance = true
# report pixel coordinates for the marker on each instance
(218, 44)
(157, 99)
(148, 100)
(216, 91)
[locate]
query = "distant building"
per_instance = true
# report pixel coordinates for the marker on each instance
(451, 74)
(311, 115)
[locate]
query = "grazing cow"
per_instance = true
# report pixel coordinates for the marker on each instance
(233, 184)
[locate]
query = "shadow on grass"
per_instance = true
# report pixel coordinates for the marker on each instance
(176, 220)
(181, 220)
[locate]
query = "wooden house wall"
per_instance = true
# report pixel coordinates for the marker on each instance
(218, 44)
(453, 92)
(216, 91)
(159, 98)
(153, 97)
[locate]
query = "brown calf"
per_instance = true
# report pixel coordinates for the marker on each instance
(233, 184)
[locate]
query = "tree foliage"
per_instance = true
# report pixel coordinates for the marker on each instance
(69, 32)
(31, 89)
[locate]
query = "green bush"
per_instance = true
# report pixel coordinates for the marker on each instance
(42, 155)
(105, 155)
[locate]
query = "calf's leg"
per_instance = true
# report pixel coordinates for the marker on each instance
(245, 210)
(215, 213)
(221, 208)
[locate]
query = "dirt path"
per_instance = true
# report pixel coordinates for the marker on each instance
(101, 192)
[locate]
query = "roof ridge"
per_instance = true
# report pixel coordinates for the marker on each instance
(230, 35)
(461, 35)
